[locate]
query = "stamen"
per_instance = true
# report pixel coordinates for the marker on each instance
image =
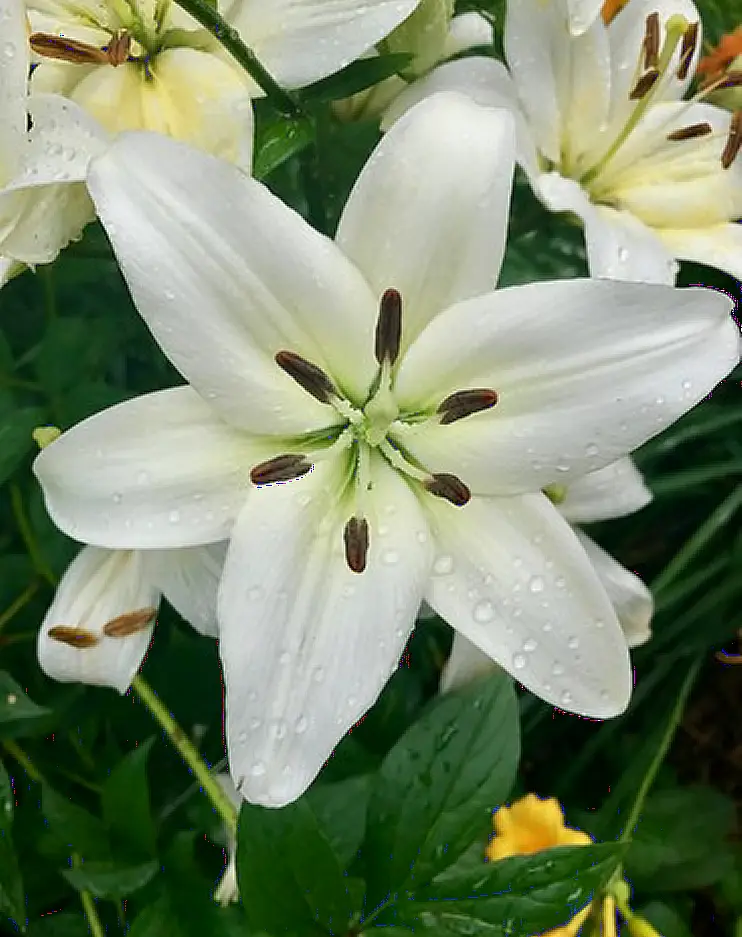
(652, 41)
(73, 637)
(81, 53)
(687, 49)
(389, 327)
(449, 487)
(307, 375)
(732, 79)
(283, 468)
(130, 623)
(644, 85)
(119, 49)
(465, 402)
(734, 141)
(355, 536)
(691, 131)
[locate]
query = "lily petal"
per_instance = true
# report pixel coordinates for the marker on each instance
(631, 599)
(306, 644)
(717, 245)
(98, 587)
(428, 214)
(301, 41)
(467, 31)
(161, 470)
(13, 83)
(189, 580)
(465, 663)
(582, 14)
(203, 250)
(614, 491)
(513, 579)
(585, 371)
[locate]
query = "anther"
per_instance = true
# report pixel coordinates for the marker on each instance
(355, 537)
(73, 637)
(80, 53)
(130, 623)
(644, 85)
(119, 49)
(691, 132)
(389, 327)
(652, 41)
(687, 49)
(283, 468)
(307, 375)
(465, 402)
(732, 79)
(448, 487)
(734, 141)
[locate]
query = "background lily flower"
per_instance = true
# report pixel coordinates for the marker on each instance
(371, 424)
(43, 203)
(613, 491)
(175, 78)
(604, 133)
(100, 623)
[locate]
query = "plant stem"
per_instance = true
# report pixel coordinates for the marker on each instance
(672, 724)
(19, 513)
(17, 604)
(188, 752)
(206, 14)
(88, 905)
(12, 748)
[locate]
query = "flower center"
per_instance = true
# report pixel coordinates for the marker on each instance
(357, 430)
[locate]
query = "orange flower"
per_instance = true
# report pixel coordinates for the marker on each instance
(723, 55)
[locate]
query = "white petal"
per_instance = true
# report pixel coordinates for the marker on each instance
(619, 245)
(99, 586)
(428, 214)
(513, 579)
(585, 95)
(161, 470)
(467, 31)
(301, 41)
(48, 218)
(225, 275)
(465, 663)
(613, 491)
(189, 580)
(306, 644)
(585, 370)
(582, 14)
(9, 268)
(716, 246)
(630, 597)
(13, 83)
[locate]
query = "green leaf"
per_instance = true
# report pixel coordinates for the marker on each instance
(73, 829)
(11, 885)
(279, 141)
(106, 880)
(437, 787)
(126, 805)
(61, 924)
(15, 705)
(340, 809)
(74, 348)
(16, 440)
(359, 75)
(522, 895)
(289, 878)
(667, 920)
(167, 917)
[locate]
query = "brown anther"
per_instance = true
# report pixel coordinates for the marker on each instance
(81, 53)
(283, 468)
(734, 141)
(651, 42)
(307, 375)
(644, 85)
(687, 49)
(448, 487)
(119, 49)
(355, 537)
(389, 327)
(725, 658)
(130, 623)
(73, 637)
(465, 402)
(732, 79)
(691, 132)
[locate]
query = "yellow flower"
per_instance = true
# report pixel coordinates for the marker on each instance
(528, 826)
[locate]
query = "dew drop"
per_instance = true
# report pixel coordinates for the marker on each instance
(318, 674)
(530, 645)
(255, 723)
(536, 584)
(560, 582)
(443, 566)
(169, 294)
(118, 498)
(566, 698)
(483, 612)
(390, 557)
(557, 669)
(519, 661)
(623, 254)
(279, 729)
(242, 738)
(174, 516)
(301, 724)
(284, 658)
(258, 769)
(591, 450)
(573, 643)
(547, 627)
(255, 593)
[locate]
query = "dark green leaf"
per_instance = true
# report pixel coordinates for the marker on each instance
(289, 878)
(168, 917)
(73, 348)
(61, 924)
(438, 785)
(16, 440)
(11, 886)
(72, 828)
(126, 806)
(356, 77)
(279, 141)
(668, 921)
(340, 810)
(522, 895)
(106, 880)
(15, 704)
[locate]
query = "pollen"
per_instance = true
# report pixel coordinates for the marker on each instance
(611, 9)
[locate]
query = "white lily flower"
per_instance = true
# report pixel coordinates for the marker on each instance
(100, 623)
(158, 69)
(614, 491)
(43, 201)
(604, 133)
(371, 424)
(582, 14)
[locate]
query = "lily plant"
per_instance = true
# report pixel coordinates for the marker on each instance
(370, 424)
(604, 132)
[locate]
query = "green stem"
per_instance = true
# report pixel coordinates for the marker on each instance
(14, 749)
(50, 297)
(188, 752)
(39, 563)
(88, 905)
(662, 750)
(206, 14)
(17, 604)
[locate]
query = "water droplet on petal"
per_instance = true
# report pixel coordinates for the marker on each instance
(519, 661)
(591, 450)
(557, 669)
(566, 698)
(483, 612)
(174, 516)
(258, 769)
(536, 584)
(530, 645)
(301, 724)
(390, 558)
(443, 566)
(573, 643)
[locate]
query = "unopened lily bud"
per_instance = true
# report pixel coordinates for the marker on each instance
(720, 68)
(44, 435)
(423, 34)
